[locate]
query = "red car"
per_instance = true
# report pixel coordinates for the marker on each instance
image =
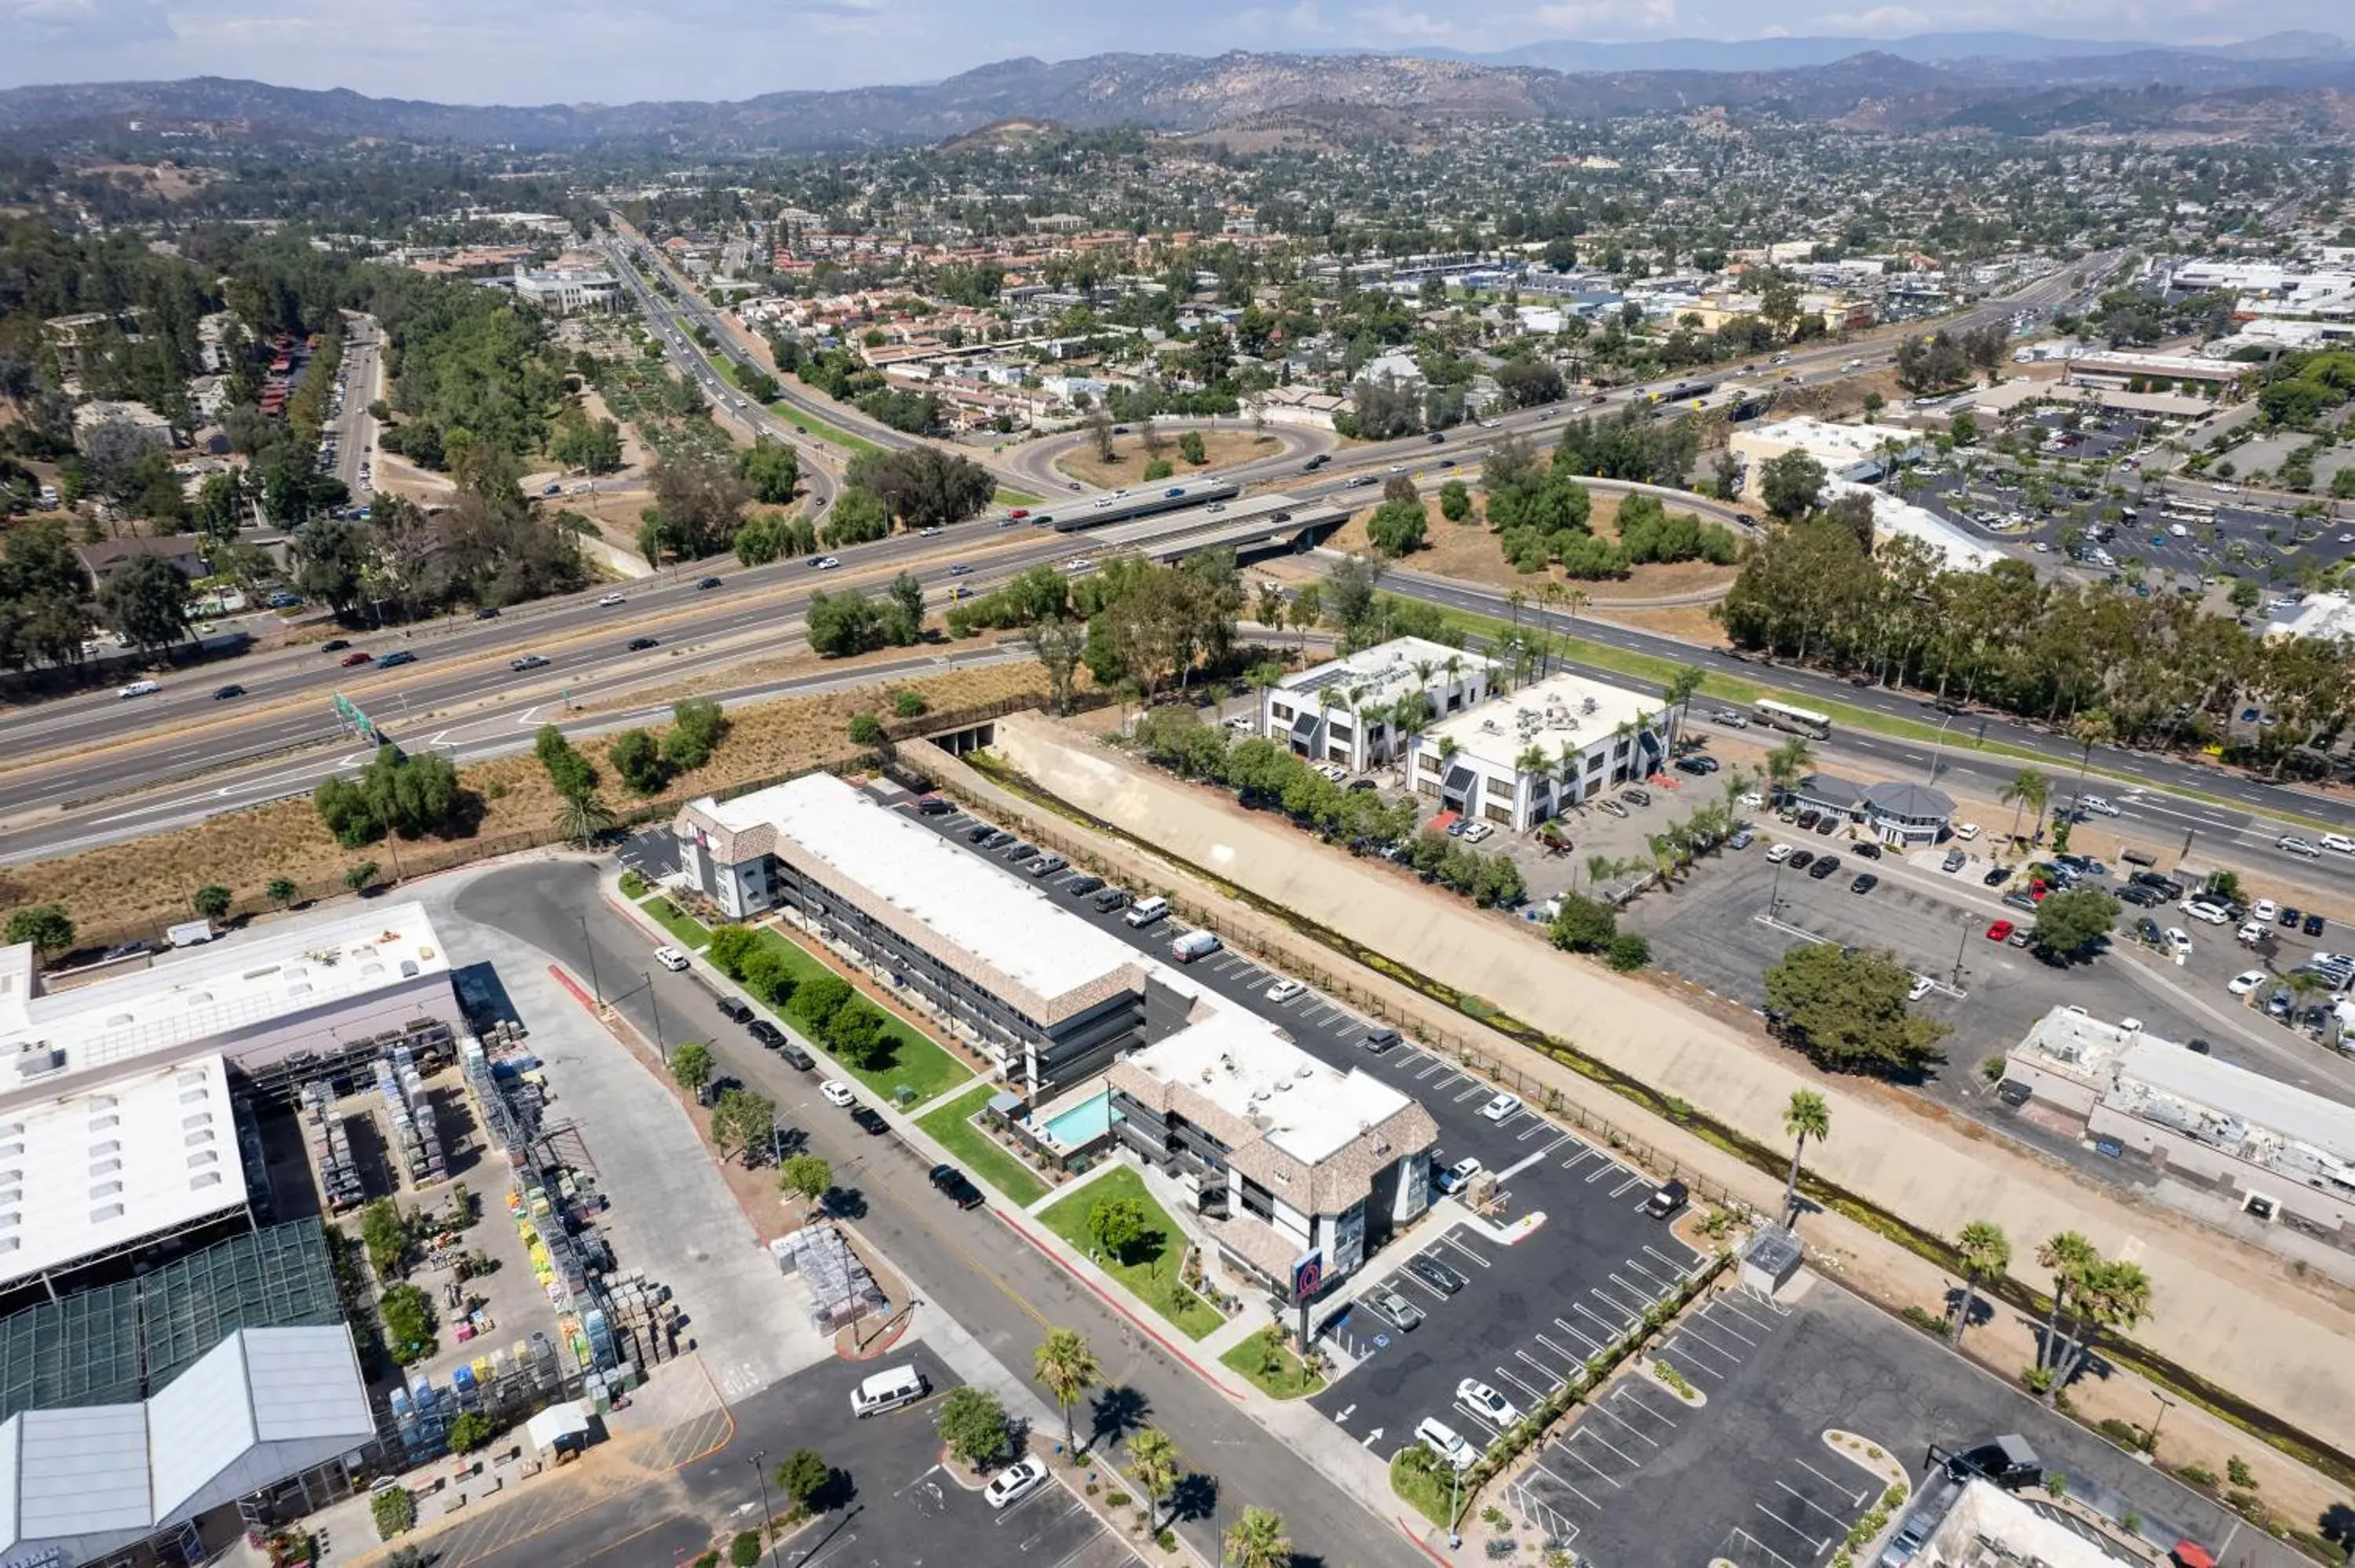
(1998, 931)
(1020, 511)
(357, 656)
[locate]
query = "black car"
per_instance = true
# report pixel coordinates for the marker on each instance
(766, 1032)
(797, 1057)
(997, 840)
(1435, 437)
(335, 644)
(1436, 1275)
(2142, 897)
(397, 657)
(1865, 849)
(2314, 925)
(1801, 859)
(934, 806)
(640, 645)
(978, 831)
(1807, 821)
(1997, 876)
(954, 1185)
(870, 1121)
(1110, 899)
(487, 613)
(1021, 853)
(1666, 1200)
(1828, 825)
(1864, 883)
(735, 1009)
(706, 582)
(1824, 867)
(1081, 886)
(223, 694)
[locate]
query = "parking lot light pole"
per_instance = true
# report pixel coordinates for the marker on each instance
(2150, 1438)
(768, 1520)
(591, 948)
(655, 1003)
(1962, 943)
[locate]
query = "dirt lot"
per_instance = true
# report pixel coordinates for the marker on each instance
(1469, 552)
(1129, 457)
(128, 887)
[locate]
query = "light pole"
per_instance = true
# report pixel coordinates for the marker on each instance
(1962, 942)
(591, 948)
(1454, 1496)
(1938, 751)
(768, 1520)
(1775, 894)
(2150, 1438)
(655, 1003)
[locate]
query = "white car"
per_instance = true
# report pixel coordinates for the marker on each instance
(1477, 831)
(1456, 1177)
(834, 1092)
(1017, 1481)
(826, 563)
(1446, 1443)
(1968, 832)
(2177, 942)
(670, 959)
(2340, 843)
(2247, 980)
(2296, 845)
(2201, 910)
(1923, 985)
(1494, 1408)
(2098, 805)
(2263, 911)
(1077, 564)
(1752, 800)
(1502, 1106)
(1284, 990)
(1778, 855)
(610, 599)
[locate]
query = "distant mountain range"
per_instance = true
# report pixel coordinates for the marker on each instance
(2282, 85)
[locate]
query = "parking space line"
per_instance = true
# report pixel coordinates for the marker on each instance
(1581, 1432)
(1573, 1357)
(1634, 1289)
(1537, 1125)
(1610, 1327)
(1762, 1546)
(1601, 1171)
(1810, 1504)
(1595, 1344)
(1856, 1499)
(1685, 1345)
(1635, 1431)
(1583, 1150)
(1471, 1414)
(1605, 1442)
(1680, 1269)
(1634, 1312)
(1565, 1486)
(1535, 1394)
(1626, 1394)
(1430, 1065)
(1692, 1330)
(1476, 1089)
(1727, 1303)
(1454, 1239)
(1634, 1266)
(1634, 1179)
(1815, 1546)
(1416, 1281)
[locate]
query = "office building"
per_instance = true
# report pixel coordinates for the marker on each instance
(1519, 759)
(1340, 711)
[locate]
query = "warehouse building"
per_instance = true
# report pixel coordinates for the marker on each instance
(1517, 759)
(964, 936)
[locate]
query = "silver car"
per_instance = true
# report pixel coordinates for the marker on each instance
(1396, 1310)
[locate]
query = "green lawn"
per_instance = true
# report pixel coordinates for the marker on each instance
(691, 933)
(821, 430)
(1006, 497)
(952, 1126)
(1153, 1277)
(1288, 1380)
(1424, 1485)
(916, 1063)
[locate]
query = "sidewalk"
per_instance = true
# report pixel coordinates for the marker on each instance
(2244, 1319)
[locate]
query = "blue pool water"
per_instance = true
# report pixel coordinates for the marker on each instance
(1084, 1123)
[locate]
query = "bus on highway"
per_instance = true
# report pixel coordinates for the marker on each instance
(1798, 721)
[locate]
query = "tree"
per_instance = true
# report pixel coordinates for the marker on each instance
(1396, 528)
(1986, 1254)
(1529, 383)
(804, 1477)
(1681, 688)
(45, 926)
(743, 1122)
(2069, 923)
(584, 817)
(1189, 447)
(1455, 501)
(360, 877)
(280, 890)
(923, 485)
(771, 470)
(865, 729)
(1847, 1010)
(973, 1423)
(1585, 924)
(2028, 788)
(2069, 1257)
(394, 1511)
(691, 1066)
(638, 759)
(697, 726)
(1154, 1463)
(406, 1314)
(470, 1431)
(145, 601)
(1057, 644)
(211, 901)
(1805, 1117)
(1792, 484)
(2107, 1295)
(1256, 1540)
(806, 1176)
(818, 998)
(1117, 1224)
(1067, 1368)
(699, 501)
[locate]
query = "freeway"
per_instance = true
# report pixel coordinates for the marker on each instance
(2161, 806)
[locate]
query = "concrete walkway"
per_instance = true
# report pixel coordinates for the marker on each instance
(2224, 1311)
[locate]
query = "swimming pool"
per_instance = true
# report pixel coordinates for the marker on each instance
(1084, 1123)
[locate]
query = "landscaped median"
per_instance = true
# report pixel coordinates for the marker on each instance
(1415, 1473)
(951, 1125)
(687, 931)
(899, 1064)
(1267, 1359)
(1137, 1242)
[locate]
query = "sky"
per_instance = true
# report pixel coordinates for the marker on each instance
(610, 51)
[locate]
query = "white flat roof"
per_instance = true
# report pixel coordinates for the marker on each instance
(235, 982)
(1001, 918)
(139, 1156)
(1895, 517)
(1388, 667)
(1545, 716)
(1836, 445)
(1246, 1066)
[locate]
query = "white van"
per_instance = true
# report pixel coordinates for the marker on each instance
(887, 1391)
(1146, 911)
(1445, 1443)
(139, 689)
(1193, 945)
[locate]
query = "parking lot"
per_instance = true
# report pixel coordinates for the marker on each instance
(1748, 1477)
(1527, 1313)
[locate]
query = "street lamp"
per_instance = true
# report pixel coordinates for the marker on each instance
(1775, 894)
(768, 1520)
(1961, 942)
(589, 947)
(654, 1002)
(2150, 1438)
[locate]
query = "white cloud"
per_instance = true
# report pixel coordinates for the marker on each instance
(83, 22)
(1606, 18)
(1890, 20)
(1393, 22)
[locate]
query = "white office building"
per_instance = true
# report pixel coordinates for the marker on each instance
(1519, 759)
(1339, 711)
(567, 291)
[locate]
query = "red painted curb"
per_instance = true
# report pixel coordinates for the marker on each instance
(1423, 1545)
(569, 983)
(1113, 1302)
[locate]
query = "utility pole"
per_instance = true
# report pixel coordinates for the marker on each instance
(768, 1520)
(589, 947)
(654, 1002)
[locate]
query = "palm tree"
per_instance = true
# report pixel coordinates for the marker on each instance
(1257, 1540)
(2028, 788)
(1575, 602)
(1270, 609)
(1154, 1462)
(1805, 1117)
(2089, 729)
(1424, 669)
(2110, 1295)
(1067, 1368)
(1680, 690)
(1986, 1254)
(1787, 761)
(584, 817)
(2068, 1257)
(1515, 598)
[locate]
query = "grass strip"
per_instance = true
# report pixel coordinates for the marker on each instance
(1270, 1366)
(1152, 1278)
(951, 1125)
(691, 933)
(917, 1064)
(1006, 497)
